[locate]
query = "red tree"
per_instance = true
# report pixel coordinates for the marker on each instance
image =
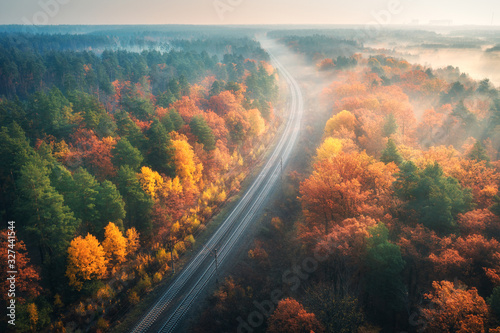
(290, 316)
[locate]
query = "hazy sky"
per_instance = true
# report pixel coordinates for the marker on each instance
(477, 12)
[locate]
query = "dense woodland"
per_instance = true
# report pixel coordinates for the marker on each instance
(113, 161)
(394, 226)
(119, 145)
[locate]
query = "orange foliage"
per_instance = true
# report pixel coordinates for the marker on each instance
(447, 157)
(372, 139)
(268, 67)
(257, 123)
(455, 309)
(187, 108)
(114, 244)
(290, 316)
(27, 276)
(418, 242)
(197, 93)
(478, 221)
(217, 124)
(224, 103)
(86, 260)
(474, 257)
(348, 238)
(479, 107)
(352, 89)
(143, 125)
(345, 186)
(480, 178)
(216, 161)
(132, 241)
(325, 64)
(96, 154)
(151, 181)
(430, 124)
(413, 80)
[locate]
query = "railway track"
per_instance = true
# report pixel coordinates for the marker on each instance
(175, 302)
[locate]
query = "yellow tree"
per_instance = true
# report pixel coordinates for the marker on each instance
(150, 181)
(86, 260)
(132, 240)
(343, 119)
(114, 244)
(329, 148)
(185, 164)
(257, 123)
(33, 315)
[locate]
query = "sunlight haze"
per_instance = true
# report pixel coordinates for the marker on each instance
(482, 12)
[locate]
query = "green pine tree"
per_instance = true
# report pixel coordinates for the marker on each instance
(391, 154)
(203, 132)
(160, 153)
(478, 153)
(47, 220)
(126, 154)
(138, 204)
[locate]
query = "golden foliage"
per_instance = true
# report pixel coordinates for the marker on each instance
(187, 169)
(329, 148)
(150, 180)
(257, 123)
(33, 315)
(343, 119)
(132, 240)
(86, 260)
(114, 244)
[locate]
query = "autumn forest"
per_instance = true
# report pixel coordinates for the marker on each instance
(124, 149)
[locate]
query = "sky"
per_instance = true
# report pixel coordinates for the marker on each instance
(456, 12)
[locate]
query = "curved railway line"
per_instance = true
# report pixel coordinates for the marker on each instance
(173, 304)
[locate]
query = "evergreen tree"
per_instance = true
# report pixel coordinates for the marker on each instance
(140, 108)
(127, 128)
(15, 150)
(495, 208)
(125, 154)
(52, 113)
(89, 106)
(435, 198)
(110, 205)
(47, 220)
(176, 119)
(391, 154)
(203, 132)
(478, 153)
(138, 204)
(83, 199)
(216, 88)
(166, 99)
(167, 123)
(494, 303)
(384, 263)
(463, 113)
(390, 125)
(174, 88)
(160, 153)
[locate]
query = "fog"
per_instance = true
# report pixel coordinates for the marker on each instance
(312, 83)
(475, 62)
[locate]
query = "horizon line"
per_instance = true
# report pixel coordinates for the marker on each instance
(254, 24)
